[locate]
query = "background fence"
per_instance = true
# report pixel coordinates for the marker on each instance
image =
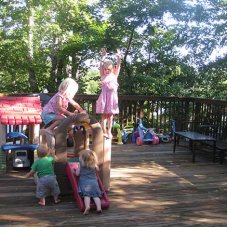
(158, 112)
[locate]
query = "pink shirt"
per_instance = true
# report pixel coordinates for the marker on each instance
(51, 106)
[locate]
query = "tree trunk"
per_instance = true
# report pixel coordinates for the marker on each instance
(31, 71)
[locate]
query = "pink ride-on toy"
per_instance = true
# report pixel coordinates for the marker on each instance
(145, 135)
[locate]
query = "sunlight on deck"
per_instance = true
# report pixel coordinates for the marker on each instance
(15, 218)
(146, 174)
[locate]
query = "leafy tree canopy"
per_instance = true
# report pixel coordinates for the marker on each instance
(170, 47)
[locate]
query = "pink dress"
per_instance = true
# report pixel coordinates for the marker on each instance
(107, 102)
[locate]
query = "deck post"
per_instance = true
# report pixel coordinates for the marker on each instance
(106, 165)
(102, 148)
(2, 153)
(34, 137)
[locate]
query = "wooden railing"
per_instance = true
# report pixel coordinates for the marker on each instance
(158, 112)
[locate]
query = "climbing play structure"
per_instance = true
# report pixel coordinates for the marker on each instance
(100, 145)
(81, 127)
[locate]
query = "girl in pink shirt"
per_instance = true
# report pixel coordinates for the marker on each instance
(56, 109)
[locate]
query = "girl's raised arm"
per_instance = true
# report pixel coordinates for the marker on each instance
(103, 54)
(118, 66)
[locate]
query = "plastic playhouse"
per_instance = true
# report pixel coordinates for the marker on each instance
(19, 111)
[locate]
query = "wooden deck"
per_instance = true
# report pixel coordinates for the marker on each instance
(149, 187)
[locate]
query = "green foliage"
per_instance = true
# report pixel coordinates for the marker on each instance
(90, 82)
(166, 45)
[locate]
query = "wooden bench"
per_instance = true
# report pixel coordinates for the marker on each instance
(194, 137)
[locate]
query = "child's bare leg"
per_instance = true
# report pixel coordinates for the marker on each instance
(57, 120)
(42, 202)
(103, 124)
(56, 200)
(87, 201)
(110, 123)
(52, 126)
(98, 204)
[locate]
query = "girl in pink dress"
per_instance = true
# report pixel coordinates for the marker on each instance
(107, 103)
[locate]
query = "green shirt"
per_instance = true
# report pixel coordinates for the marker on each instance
(44, 166)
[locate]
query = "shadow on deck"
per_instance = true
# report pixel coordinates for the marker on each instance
(149, 187)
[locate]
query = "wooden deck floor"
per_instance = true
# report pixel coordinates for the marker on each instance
(149, 187)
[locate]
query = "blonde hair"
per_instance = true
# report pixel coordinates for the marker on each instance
(107, 63)
(42, 151)
(88, 159)
(68, 87)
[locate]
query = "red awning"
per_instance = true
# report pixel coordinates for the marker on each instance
(17, 110)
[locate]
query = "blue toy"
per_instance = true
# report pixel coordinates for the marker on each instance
(144, 134)
(164, 137)
(128, 131)
(21, 151)
(133, 136)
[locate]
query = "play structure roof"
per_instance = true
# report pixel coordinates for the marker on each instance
(18, 110)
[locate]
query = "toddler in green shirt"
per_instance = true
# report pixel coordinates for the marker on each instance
(46, 181)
